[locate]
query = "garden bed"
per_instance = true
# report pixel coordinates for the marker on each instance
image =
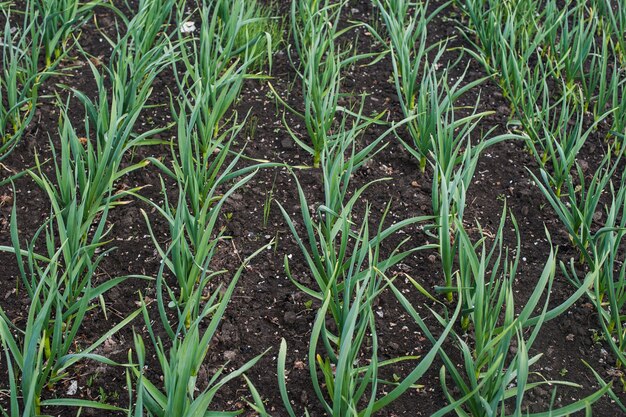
(266, 307)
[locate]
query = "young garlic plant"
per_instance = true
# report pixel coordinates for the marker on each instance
(201, 175)
(318, 65)
(506, 37)
(138, 55)
(137, 58)
(493, 379)
(314, 25)
(349, 272)
(448, 203)
(56, 22)
(556, 132)
(609, 292)
(613, 22)
(184, 390)
(81, 195)
(216, 64)
(192, 223)
(578, 207)
(406, 23)
(454, 162)
(600, 241)
(574, 43)
(36, 358)
(20, 78)
(61, 294)
(351, 385)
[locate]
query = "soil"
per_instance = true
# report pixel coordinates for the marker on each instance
(266, 306)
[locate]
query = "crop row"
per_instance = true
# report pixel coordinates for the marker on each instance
(561, 70)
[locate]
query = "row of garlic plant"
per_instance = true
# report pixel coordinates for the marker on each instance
(350, 271)
(18, 80)
(216, 62)
(43, 34)
(345, 260)
(81, 192)
(552, 70)
(592, 212)
(319, 60)
(564, 63)
(428, 99)
(349, 274)
(489, 377)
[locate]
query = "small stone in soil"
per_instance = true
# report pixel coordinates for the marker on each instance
(290, 317)
(287, 143)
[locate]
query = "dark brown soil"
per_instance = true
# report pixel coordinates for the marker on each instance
(266, 306)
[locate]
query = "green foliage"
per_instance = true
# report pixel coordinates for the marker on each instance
(427, 97)
(19, 79)
(349, 273)
(599, 240)
(181, 366)
(56, 20)
(492, 372)
(263, 35)
(319, 64)
(557, 133)
(43, 353)
(217, 63)
(578, 207)
(314, 26)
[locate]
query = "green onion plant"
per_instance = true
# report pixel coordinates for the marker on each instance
(574, 44)
(448, 196)
(314, 26)
(609, 291)
(45, 350)
(602, 251)
(557, 132)
(36, 358)
(80, 196)
(613, 17)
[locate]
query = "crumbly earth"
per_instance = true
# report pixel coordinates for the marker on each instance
(266, 306)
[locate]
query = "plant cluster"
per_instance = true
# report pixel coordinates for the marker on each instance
(559, 64)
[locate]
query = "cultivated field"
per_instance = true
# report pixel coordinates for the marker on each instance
(312, 207)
